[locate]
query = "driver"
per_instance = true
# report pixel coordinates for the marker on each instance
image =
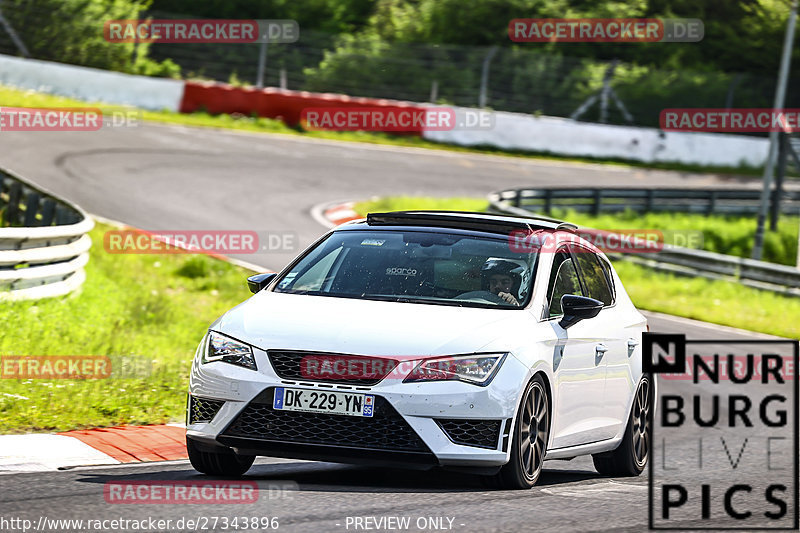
(503, 278)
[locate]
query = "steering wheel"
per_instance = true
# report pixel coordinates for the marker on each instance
(483, 295)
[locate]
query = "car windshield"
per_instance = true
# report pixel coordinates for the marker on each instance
(415, 266)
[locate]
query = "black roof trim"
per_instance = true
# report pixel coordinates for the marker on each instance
(461, 220)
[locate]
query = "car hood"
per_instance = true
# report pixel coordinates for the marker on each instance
(272, 320)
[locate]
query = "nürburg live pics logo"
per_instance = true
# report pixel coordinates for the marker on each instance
(724, 434)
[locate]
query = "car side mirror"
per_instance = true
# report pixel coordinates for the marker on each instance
(577, 308)
(259, 281)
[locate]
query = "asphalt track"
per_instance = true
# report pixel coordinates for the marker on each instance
(168, 178)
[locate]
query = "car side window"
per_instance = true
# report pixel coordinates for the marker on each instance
(609, 278)
(593, 275)
(563, 280)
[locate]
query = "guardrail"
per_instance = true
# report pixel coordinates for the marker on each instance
(596, 201)
(44, 242)
(674, 259)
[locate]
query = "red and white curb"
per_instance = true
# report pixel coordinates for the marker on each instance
(38, 453)
(333, 214)
(92, 447)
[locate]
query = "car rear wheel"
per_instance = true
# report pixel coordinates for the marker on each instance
(630, 457)
(529, 445)
(224, 462)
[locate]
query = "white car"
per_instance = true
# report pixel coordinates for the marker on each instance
(427, 339)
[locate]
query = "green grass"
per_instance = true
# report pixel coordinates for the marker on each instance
(718, 302)
(401, 203)
(732, 235)
(151, 308)
(11, 97)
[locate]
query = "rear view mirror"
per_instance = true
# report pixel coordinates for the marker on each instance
(577, 308)
(259, 281)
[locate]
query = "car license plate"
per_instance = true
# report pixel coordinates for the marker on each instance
(316, 401)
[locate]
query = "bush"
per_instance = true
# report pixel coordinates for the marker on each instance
(71, 31)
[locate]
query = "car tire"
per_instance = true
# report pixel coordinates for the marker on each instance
(224, 462)
(529, 445)
(630, 457)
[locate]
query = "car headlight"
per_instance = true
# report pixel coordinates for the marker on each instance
(476, 369)
(222, 348)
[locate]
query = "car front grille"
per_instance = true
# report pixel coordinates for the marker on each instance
(203, 409)
(385, 430)
(330, 368)
(479, 433)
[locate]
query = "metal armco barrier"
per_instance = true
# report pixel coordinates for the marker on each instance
(44, 242)
(596, 201)
(673, 259)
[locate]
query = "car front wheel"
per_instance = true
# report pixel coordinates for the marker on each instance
(529, 445)
(224, 462)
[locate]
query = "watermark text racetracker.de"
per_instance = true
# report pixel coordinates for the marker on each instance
(135, 241)
(47, 367)
(201, 522)
(201, 31)
(395, 119)
(66, 118)
(608, 241)
(752, 120)
(192, 492)
(605, 30)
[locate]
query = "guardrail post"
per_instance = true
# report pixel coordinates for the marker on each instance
(598, 198)
(712, 203)
(517, 198)
(12, 211)
(648, 207)
(48, 211)
(2, 209)
(62, 215)
(548, 201)
(775, 205)
(31, 208)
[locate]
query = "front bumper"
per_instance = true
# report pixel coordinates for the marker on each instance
(415, 424)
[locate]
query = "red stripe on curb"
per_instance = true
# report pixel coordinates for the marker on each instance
(341, 213)
(130, 444)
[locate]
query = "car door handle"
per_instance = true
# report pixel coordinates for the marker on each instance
(601, 349)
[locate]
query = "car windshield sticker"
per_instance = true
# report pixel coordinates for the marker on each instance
(397, 271)
(285, 282)
(373, 242)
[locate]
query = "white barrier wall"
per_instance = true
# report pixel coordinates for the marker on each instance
(567, 137)
(90, 84)
(510, 131)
